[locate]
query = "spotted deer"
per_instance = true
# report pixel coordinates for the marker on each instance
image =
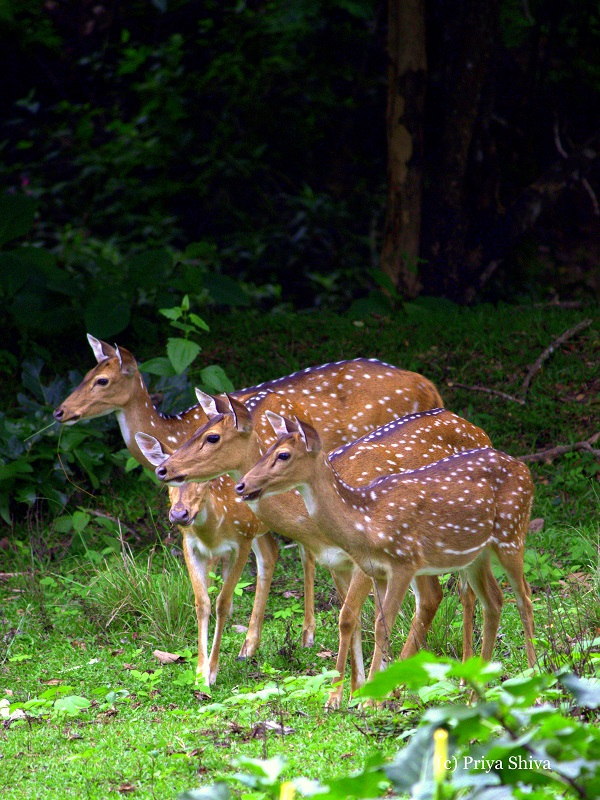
(212, 531)
(443, 517)
(233, 441)
(115, 385)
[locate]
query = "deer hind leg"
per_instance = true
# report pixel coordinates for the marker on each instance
(198, 569)
(352, 598)
(223, 604)
(266, 552)
(309, 625)
(397, 586)
(467, 601)
(428, 596)
(490, 595)
(511, 560)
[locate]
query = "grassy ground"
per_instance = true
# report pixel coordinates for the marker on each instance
(146, 732)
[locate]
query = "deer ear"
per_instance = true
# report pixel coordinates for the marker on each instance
(310, 437)
(102, 350)
(242, 418)
(279, 424)
(208, 403)
(152, 450)
(126, 360)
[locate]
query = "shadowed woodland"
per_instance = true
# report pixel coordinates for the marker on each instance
(224, 193)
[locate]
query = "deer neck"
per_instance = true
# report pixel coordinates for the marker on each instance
(253, 452)
(207, 524)
(339, 510)
(139, 414)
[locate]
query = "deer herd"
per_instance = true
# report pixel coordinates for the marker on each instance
(356, 461)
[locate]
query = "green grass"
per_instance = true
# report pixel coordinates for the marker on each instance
(53, 618)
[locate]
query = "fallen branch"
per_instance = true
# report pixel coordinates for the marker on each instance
(553, 452)
(545, 355)
(495, 392)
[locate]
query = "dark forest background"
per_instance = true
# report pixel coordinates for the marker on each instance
(346, 154)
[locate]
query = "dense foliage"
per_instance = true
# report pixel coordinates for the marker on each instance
(237, 151)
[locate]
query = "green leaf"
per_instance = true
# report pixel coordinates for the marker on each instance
(216, 791)
(88, 465)
(414, 673)
(158, 366)
(17, 214)
(131, 464)
(5, 508)
(185, 303)
(266, 770)
(14, 468)
(215, 378)
(72, 705)
(183, 326)
(198, 321)
(63, 524)
(585, 690)
(170, 313)
(413, 763)
(181, 353)
(80, 521)
(476, 670)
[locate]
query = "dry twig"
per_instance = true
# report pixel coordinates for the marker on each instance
(533, 370)
(545, 355)
(553, 452)
(495, 392)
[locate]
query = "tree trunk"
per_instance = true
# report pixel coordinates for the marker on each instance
(470, 32)
(407, 72)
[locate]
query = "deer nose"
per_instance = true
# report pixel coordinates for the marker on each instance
(59, 413)
(161, 472)
(240, 488)
(179, 515)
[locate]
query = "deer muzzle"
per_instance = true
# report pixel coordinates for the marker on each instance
(241, 490)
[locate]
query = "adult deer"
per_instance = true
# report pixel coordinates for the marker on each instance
(447, 516)
(115, 385)
(233, 441)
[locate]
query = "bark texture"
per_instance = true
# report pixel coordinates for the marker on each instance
(407, 72)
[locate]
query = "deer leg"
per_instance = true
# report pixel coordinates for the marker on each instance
(198, 568)
(428, 596)
(224, 601)
(309, 625)
(467, 601)
(397, 586)
(352, 597)
(512, 564)
(266, 551)
(362, 586)
(485, 586)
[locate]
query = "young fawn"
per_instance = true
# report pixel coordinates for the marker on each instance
(116, 385)
(234, 441)
(211, 531)
(447, 516)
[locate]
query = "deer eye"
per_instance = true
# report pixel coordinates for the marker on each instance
(102, 382)
(213, 438)
(283, 456)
